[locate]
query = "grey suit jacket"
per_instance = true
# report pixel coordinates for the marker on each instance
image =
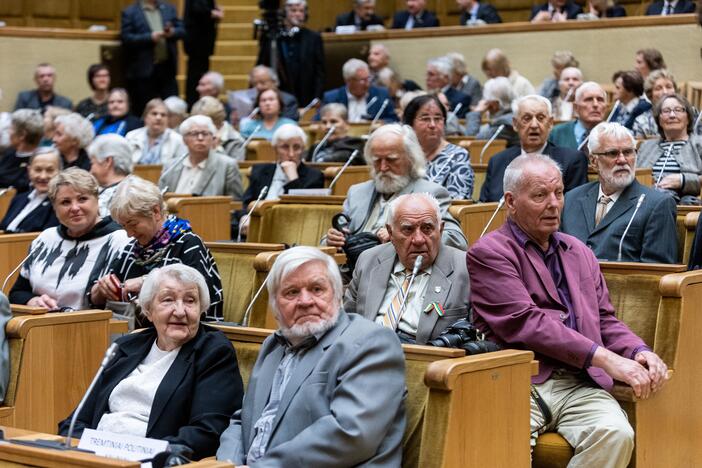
(448, 285)
(331, 413)
(651, 238)
(471, 86)
(689, 159)
(220, 177)
(30, 100)
(361, 197)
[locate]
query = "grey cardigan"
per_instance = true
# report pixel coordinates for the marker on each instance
(689, 160)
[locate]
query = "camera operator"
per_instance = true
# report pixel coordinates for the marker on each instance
(298, 52)
(436, 297)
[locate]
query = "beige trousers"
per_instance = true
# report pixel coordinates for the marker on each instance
(588, 417)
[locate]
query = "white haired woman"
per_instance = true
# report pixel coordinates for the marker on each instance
(658, 83)
(72, 134)
(340, 145)
(25, 132)
(177, 380)
(157, 240)
(65, 260)
(155, 143)
(110, 163)
(497, 103)
(229, 141)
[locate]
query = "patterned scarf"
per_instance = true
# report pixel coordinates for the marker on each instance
(173, 228)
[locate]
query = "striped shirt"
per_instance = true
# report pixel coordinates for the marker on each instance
(669, 164)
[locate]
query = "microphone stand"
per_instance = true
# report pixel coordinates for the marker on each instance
(382, 109)
(309, 106)
(343, 168)
(321, 144)
(492, 138)
(621, 241)
(245, 319)
(665, 161)
(499, 205)
(250, 137)
(261, 194)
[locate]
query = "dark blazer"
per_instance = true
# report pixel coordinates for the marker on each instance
(200, 27)
(572, 9)
(652, 237)
(426, 20)
(40, 218)
(455, 97)
(30, 100)
(347, 19)
(573, 163)
(616, 11)
(304, 78)
(486, 12)
(13, 170)
(683, 6)
(339, 95)
(195, 399)
(262, 176)
(563, 135)
(135, 34)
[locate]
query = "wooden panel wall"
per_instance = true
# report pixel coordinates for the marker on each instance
(79, 14)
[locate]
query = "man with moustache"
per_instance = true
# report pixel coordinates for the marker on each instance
(589, 107)
(397, 167)
(598, 213)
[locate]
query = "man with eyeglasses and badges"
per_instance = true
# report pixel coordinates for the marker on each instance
(598, 213)
(533, 120)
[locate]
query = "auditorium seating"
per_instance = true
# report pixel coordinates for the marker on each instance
(475, 147)
(6, 195)
(352, 175)
(663, 309)
(53, 358)
(461, 411)
(260, 150)
(474, 218)
(210, 217)
(686, 222)
(150, 172)
(13, 248)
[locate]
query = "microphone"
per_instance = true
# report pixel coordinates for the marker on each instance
(371, 102)
(440, 171)
(245, 320)
(621, 241)
(415, 270)
(382, 109)
(261, 195)
(665, 161)
(611, 113)
(109, 354)
(697, 121)
(7, 278)
(309, 106)
(455, 111)
(250, 137)
(343, 168)
(492, 138)
(253, 113)
(568, 94)
(5, 190)
(494, 213)
(321, 144)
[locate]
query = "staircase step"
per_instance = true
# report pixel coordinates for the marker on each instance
(226, 3)
(240, 14)
(232, 32)
(233, 65)
(236, 48)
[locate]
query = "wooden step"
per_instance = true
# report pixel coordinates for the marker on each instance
(232, 65)
(233, 32)
(226, 3)
(240, 14)
(236, 48)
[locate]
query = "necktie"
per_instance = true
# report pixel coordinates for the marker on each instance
(668, 8)
(601, 207)
(393, 314)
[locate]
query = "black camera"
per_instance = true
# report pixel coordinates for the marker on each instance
(462, 334)
(355, 244)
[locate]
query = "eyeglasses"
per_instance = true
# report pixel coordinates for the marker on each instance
(671, 110)
(201, 134)
(427, 119)
(614, 154)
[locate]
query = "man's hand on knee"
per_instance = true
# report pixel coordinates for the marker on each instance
(624, 370)
(657, 370)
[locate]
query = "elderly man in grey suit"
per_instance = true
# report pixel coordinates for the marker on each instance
(397, 167)
(382, 280)
(202, 171)
(313, 398)
(598, 213)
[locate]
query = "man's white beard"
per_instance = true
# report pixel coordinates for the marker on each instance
(299, 332)
(390, 183)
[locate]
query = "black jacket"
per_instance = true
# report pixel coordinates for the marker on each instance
(13, 170)
(486, 12)
(339, 151)
(426, 20)
(347, 19)
(40, 218)
(195, 399)
(683, 6)
(262, 175)
(200, 27)
(573, 164)
(570, 8)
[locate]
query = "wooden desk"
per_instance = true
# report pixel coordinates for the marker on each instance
(210, 217)
(6, 195)
(13, 248)
(150, 172)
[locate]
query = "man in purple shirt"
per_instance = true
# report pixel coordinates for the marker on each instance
(535, 288)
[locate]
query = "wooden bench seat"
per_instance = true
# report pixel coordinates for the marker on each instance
(210, 217)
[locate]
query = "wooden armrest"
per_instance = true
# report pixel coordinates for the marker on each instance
(443, 374)
(18, 327)
(623, 392)
(18, 309)
(118, 326)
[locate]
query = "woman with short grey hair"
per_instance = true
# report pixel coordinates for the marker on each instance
(157, 240)
(340, 145)
(229, 141)
(25, 132)
(497, 105)
(155, 143)
(110, 162)
(177, 380)
(72, 134)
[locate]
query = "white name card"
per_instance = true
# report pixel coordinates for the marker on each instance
(310, 192)
(121, 446)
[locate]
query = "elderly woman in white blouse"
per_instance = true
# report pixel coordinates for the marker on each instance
(155, 143)
(176, 381)
(110, 163)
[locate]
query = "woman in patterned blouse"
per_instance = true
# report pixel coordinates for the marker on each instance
(447, 164)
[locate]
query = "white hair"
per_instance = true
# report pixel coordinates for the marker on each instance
(381, 47)
(499, 89)
(287, 132)
(588, 86)
(116, 147)
(176, 105)
(216, 78)
(442, 64)
(335, 108)
(363, 2)
(75, 126)
(352, 66)
(608, 129)
(135, 197)
(458, 62)
(271, 73)
(512, 180)
(517, 103)
(183, 274)
(410, 143)
(577, 71)
(418, 196)
(292, 259)
(201, 120)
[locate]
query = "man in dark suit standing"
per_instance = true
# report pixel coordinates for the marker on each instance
(150, 33)
(473, 11)
(201, 18)
(44, 77)
(300, 55)
(533, 122)
(554, 11)
(362, 16)
(362, 100)
(415, 16)
(668, 7)
(439, 72)
(598, 213)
